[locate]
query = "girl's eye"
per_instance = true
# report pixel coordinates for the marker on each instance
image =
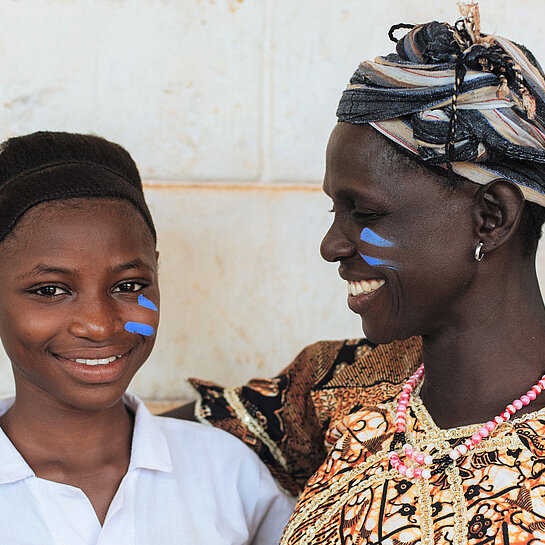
(50, 291)
(129, 287)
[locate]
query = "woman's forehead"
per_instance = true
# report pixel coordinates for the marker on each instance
(362, 162)
(362, 144)
(359, 151)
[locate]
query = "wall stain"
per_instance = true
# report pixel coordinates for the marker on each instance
(233, 5)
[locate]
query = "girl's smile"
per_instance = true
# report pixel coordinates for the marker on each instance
(68, 296)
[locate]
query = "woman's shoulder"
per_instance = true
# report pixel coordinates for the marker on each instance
(361, 363)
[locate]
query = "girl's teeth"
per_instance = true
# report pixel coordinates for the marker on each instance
(364, 286)
(103, 361)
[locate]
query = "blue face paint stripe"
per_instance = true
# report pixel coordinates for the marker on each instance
(137, 327)
(369, 236)
(143, 302)
(374, 262)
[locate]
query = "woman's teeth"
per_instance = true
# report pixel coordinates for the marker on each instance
(364, 286)
(102, 361)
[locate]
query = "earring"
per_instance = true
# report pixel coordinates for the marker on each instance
(479, 254)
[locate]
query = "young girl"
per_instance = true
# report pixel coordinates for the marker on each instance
(81, 461)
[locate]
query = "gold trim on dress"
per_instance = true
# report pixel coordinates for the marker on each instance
(253, 425)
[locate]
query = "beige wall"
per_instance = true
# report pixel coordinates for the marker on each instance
(226, 106)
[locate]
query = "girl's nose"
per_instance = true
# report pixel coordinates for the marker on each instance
(95, 319)
(335, 245)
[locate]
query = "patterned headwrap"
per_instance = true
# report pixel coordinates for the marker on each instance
(471, 103)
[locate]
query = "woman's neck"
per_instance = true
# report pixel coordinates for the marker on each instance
(493, 356)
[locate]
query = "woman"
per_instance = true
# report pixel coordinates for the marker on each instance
(81, 462)
(432, 430)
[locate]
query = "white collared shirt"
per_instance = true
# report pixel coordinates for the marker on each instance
(186, 484)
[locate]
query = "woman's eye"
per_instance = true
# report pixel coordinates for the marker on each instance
(50, 291)
(363, 216)
(128, 287)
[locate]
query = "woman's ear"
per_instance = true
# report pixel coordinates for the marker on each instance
(497, 211)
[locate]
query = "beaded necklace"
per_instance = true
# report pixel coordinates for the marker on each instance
(422, 461)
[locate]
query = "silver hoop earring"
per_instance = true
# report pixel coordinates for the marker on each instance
(479, 254)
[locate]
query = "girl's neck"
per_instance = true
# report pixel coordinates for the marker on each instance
(89, 450)
(55, 438)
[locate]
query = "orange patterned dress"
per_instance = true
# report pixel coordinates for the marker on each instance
(329, 417)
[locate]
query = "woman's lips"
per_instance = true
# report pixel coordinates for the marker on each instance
(363, 286)
(361, 292)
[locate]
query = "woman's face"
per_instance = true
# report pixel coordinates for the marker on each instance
(403, 241)
(71, 275)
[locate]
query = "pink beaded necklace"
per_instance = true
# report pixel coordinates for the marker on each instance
(421, 460)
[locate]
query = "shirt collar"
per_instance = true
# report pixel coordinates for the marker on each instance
(12, 465)
(149, 445)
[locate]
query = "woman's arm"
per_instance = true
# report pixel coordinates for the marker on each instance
(184, 412)
(285, 419)
(275, 417)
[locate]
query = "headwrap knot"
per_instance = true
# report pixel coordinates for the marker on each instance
(471, 103)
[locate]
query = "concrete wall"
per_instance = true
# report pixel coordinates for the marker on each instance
(226, 106)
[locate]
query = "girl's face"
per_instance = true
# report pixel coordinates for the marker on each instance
(403, 241)
(71, 275)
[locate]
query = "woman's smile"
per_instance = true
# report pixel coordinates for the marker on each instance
(363, 293)
(389, 239)
(364, 286)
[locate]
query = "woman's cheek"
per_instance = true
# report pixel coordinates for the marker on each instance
(373, 242)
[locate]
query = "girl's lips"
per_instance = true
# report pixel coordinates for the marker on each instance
(99, 361)
(94, 371)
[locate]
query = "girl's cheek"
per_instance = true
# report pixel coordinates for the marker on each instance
(146, 320)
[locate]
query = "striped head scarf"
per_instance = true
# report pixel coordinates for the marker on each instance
(468, 103)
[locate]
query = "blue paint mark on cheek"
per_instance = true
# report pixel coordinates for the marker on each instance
(143, 302)
(137, 327)
(375, 262)
(369, 236)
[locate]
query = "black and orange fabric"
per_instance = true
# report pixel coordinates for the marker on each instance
(285, 419)
(327, 422)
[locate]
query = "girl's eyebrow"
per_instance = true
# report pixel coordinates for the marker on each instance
(42, 269)
(133, 264)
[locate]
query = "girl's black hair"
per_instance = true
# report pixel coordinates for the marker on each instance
(46, 166)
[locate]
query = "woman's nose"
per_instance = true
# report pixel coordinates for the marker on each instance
(336, 245)
(95, 319)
